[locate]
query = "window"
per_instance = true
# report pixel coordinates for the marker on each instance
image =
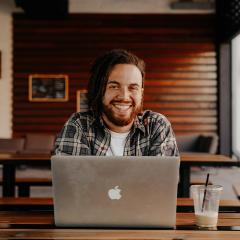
(236, 95)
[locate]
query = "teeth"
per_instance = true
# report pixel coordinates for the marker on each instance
(122, 107)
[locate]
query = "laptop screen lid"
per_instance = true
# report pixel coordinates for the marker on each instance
(100, 191)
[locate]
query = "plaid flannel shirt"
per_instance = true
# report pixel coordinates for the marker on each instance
(150, 135)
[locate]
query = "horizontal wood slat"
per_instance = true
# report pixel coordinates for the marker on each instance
(169, 112)
(181, 90)
(179, 83)
(160, 52)
(179, 51)
(159, 60)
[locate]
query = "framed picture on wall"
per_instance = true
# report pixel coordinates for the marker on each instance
(82, 105)
(48, 88)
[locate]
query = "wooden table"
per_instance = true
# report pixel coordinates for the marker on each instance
(189, 160)
(10, 161)
(83, 234)
(45, 219)
(40, 225)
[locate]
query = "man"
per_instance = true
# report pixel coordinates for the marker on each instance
(115, 124)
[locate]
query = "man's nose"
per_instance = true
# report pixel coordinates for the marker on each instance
(123, 93)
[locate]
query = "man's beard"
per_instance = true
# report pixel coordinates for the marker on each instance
(121, 121)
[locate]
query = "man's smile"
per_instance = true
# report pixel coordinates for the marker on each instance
(122, 106)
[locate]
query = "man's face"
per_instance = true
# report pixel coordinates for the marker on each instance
(122, 100)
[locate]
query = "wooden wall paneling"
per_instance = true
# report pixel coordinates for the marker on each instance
(179, 51)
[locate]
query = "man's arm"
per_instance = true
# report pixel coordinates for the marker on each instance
(72, 140)
(163, 141)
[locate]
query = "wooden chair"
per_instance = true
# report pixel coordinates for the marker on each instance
(11, 145)
(39, 143)
(35, 143)
(24, 184)
(202, 143)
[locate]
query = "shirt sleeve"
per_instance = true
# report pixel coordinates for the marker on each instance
(163, 141)
(72, 140)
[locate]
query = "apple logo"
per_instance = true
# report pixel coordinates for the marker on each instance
(114, 193)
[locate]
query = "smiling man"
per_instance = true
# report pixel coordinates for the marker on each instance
(115, 124)
(122, 100)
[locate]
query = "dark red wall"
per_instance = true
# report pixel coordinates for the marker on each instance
(179, 51)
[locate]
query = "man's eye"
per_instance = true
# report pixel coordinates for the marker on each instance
(135, 88)
(113, 86)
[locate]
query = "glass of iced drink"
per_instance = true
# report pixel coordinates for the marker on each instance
(206, 204)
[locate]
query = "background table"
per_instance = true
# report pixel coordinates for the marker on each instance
(41, 203)
(10, 161)
(189, 160)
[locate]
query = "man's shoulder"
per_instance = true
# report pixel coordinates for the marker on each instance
(80, 118)
(151, 116)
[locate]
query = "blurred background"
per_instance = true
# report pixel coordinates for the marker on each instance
(192, 55)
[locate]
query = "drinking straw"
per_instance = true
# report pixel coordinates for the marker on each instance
(205, 191)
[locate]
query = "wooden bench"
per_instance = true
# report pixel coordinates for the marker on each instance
(24, 184)
(25, 203)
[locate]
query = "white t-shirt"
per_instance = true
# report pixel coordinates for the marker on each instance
(117, 144)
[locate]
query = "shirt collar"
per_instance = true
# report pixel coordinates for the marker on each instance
(138, 124)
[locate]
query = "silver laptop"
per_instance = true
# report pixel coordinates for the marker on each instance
(117, 192)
